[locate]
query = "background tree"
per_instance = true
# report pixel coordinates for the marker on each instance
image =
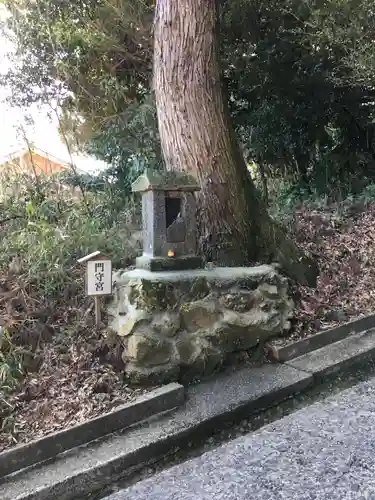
(300, 77)
(197, 136)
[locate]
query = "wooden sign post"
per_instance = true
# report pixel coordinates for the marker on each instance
(98, 279)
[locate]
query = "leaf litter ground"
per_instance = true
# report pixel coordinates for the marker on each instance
(73, 372)
(343, 244)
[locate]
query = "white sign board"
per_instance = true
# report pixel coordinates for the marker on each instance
(99, 277)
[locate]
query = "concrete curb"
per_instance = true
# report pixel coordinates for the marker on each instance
(94, 479)
(157, 401)
(338, 356)
(304, 346)
(230, 397)
(87, 469)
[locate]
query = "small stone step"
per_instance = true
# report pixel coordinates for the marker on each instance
(337, 356)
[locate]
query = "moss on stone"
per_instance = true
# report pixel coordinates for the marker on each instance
(239, 302)
(199, 289)
(152, 296)
(152, 180)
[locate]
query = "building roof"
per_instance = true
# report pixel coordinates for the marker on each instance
(17, 154)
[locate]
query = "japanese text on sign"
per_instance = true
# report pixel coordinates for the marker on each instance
(99, 277)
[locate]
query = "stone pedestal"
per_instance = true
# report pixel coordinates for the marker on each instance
(184, 324)
(150, 263)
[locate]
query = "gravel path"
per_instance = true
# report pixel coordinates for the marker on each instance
(323, 451)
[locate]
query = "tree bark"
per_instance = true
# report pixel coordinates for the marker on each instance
(197, 137)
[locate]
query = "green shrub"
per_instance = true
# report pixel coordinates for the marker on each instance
(46, 228)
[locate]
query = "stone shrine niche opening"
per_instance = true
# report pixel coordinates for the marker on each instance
(175, 220)
(172, 209)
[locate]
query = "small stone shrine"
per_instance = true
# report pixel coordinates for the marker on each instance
(169, 221)
(176, 320)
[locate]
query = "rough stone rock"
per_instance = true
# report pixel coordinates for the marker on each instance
(268, 290)
(131, 321)
(240, 302)
(187, 349)
(199, 289)
(245, 330)
(197, 356)
(166, 324)
(183, 325)
(148, 350)
(267, 320)
(199, 315)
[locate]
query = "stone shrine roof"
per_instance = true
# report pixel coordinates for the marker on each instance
(152, 180)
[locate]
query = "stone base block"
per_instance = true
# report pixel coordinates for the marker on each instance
(169, 264)
(174, 324)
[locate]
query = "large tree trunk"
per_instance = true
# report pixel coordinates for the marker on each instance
(197, 136)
